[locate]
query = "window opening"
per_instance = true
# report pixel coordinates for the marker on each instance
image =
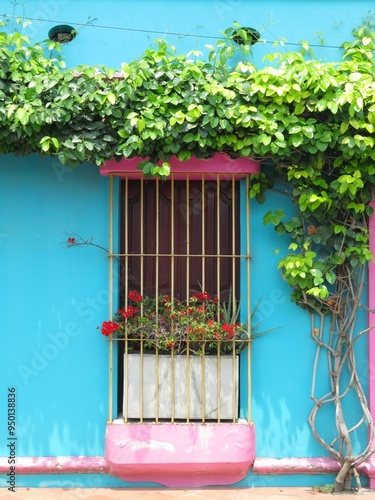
(180, 239)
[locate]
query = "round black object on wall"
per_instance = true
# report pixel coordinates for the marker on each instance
(63, 33)
(246, 36)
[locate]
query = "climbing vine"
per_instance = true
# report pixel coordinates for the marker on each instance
(309, 123)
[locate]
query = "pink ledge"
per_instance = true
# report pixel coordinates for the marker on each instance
(184, 455)
(319, 465)
(220, 164)
(55, 465)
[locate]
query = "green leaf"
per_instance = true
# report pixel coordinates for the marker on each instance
(111, 98)
(331, 277)
(141, 125)
(189, 137)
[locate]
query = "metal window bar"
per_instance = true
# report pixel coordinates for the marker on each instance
(221, 257)
(110, 289)
(249, 408)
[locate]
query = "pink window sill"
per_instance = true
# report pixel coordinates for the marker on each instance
(219, 164)
(178, 455)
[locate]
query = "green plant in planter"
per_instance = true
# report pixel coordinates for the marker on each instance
(200, 325)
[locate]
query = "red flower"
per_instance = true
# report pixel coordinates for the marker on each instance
(203, 296)
(71, 241)
(135, 296)
(229, 329)
(129, 312)
(109, 327)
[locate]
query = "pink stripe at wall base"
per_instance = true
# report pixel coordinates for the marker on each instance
(99, 465)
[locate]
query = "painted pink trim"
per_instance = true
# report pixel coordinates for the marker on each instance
(371, 321)
(318, 465)
(184, 455)
(56, 465)
(99, 465)
(220, 163)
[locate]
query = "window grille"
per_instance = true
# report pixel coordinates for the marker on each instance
(180, 238)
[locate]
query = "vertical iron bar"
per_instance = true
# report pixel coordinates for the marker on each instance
(126, 381)
(110, 273)
(157, 385)
(218, 238)
(233, 244)
(203, 368)
(157, 250)
(187, 293)
(142, 241)
(172, 283)
(234, 298)
(126, 250)
(203, 238)
(234, 380)
(157, 210)
(249, 416)
(218, 263)
(187, 238)
(141, 279)
(218, 382)
(172, 238)
(187, 381)
(173, 386)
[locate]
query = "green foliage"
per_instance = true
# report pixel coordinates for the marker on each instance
(325, 488)
(313, 122)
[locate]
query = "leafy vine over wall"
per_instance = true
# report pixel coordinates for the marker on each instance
(310, 124)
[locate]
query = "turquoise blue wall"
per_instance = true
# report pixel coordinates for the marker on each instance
(189, 24)
(53, 297)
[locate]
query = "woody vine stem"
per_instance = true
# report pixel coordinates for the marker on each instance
(338, 345)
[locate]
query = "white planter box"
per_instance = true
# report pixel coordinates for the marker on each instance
(183, 385)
